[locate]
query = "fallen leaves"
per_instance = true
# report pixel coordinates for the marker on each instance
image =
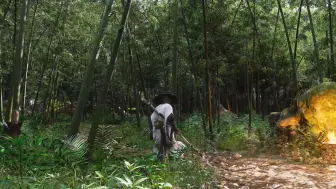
(236, 171)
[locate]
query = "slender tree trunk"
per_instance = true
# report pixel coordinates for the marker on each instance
(250, 79)
(39, 85)
(191, 59)
(193, 71)
(235, 15)
(332, 56)
(297, 30)
(49, 94)
(174, 65)
(316, 52)
(53, 97)
(107, 78)
(15, 29)
(135, 86)
(145, 92)
(48, 105)
(257, 89)
(49, 86)
(273, 63)
(204, 6)
(328, 57)
(83, 95)
(1, 82)
(293, 63)
(27, 60)
(218, 99)
(249, 103)
(1, 102)
(14, 92)
(274, 36)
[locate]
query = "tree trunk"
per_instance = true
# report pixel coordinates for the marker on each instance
(27, 60)
(1, 103)
(83, 95)
(15, 29)
(1, 82)
(316, 52)
(174, 65)
(14, 92)
(274, 39)
(204, 7)
(135, 85)
(143, 88)
(235, 15)
(39, 85)
(332, 56)
(107, 78)
(257, 89)
(297, 30)
(193, 71)
(293, 63)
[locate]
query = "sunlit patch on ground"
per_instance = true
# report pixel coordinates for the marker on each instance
(331, 138)
(266, 171)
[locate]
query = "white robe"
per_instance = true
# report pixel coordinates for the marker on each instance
(166, 110)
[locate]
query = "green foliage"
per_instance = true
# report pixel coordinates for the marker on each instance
(230, 133)
(122, 159)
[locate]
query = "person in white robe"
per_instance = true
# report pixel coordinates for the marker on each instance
(163, 117)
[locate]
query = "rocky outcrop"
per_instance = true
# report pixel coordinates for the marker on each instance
(315, 110)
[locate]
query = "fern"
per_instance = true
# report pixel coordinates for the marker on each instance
(75, 149)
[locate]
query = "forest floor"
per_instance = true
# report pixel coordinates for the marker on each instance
(269, 171)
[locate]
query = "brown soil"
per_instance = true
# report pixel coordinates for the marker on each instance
(266, 171)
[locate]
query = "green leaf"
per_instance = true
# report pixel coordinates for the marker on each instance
(128, 179)
(166, 185)
(100, 187)
(99, 174)
(122, 181)
(134, 168)
(140, 181)
(142, 187)
(127, 164)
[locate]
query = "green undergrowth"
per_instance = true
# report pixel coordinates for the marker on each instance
(122, 156)
(43, 158)
(230, 133)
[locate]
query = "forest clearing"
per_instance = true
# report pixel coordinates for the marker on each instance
(233, 94)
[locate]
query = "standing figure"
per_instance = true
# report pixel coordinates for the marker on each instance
(164, 127)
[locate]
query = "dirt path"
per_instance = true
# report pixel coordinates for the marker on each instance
(270, 172)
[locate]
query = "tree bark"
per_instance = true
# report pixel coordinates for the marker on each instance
(1, 102)
(14, 92)
(39, 85)
(83, 95)
(174, 65)
(1, 83)
(193, 71)
(293, 63)
(332, 56)
(135, 85)
(316, 52)
(27, 60)
(107, 78)
(205, 30)
(297, 30)
(143, 88)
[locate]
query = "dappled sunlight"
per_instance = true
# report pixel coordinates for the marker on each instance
(331, 138)
(320, 111)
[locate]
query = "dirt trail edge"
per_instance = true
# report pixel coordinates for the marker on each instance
(269, 172)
